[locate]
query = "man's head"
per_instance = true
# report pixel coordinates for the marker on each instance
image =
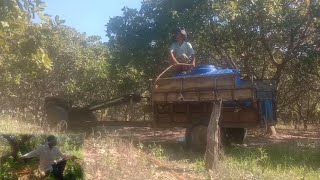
(52, 140)
(180, 35)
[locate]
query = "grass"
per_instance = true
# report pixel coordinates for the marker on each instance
(278, 161)
(107, 156)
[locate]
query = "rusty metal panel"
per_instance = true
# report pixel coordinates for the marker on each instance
(164, 118)
(182, 114)
(225, 82)
(159, 97)
(190, 96)
(248, 116)
(207, 96)
(168, 84)
(180, 108)
(164, 108)
(224, 94)
(197, 117)
(229, 116)
(243, 94)
(197, 108)
(238, 117)
(180, 117)
(173, 97)
(196, 83)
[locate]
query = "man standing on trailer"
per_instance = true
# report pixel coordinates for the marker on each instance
(182, 54)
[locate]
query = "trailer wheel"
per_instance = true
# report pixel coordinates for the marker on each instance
(224, 137)
(56, 110)
(196, 137)
(78, 118)
(234, 135)
(56, 114)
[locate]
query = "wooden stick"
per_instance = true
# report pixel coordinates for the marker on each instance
(213, 137)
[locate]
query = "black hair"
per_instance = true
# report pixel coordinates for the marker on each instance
(51, 138)
(181, 30)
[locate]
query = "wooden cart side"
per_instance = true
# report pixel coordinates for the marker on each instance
(205, 95)
(195, 83)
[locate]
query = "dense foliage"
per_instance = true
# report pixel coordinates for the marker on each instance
(277, 39)
(47, 58)
(265, 39)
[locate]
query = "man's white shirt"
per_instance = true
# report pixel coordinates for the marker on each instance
(183, 52)
(47, 156)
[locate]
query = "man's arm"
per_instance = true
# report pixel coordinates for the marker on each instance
(193, 60)
(174, 61)
(172, 58)
(191, 51)
(64, 156)
(32, 154)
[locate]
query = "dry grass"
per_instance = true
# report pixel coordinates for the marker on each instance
(111, 157)
(108, 156)
(10, 125)
(13, 126)
(115, 159)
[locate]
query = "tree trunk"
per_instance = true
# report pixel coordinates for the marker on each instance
(271, 129)
(306, 120)
(16, 144)
(213, 137)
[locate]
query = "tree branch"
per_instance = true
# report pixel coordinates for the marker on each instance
(269, 51)
(228, 58)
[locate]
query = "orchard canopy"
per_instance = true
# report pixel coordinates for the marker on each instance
(277, 39)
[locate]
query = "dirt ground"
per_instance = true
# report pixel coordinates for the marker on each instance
(254, 136)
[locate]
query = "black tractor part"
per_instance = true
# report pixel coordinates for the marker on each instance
(56, 110)
(81, 115)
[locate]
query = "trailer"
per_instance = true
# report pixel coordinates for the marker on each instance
(186, 101)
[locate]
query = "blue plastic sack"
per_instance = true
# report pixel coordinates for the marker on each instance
(234, 103)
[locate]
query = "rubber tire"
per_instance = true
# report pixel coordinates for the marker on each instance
(196, 137)
(234, 135)
(55, 114)
(78, 117)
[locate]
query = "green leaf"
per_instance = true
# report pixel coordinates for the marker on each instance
(4, 24)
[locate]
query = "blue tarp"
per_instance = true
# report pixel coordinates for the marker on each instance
(208, 70)
(234, 103)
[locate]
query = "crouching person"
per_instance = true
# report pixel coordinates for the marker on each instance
(52, 160)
